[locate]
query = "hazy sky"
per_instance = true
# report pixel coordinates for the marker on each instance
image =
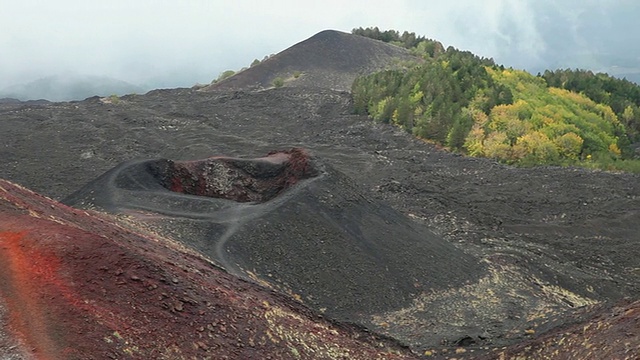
(179, 43)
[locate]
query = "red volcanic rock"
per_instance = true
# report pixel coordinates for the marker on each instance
(611, 333)
(256, 180)
(74, 285)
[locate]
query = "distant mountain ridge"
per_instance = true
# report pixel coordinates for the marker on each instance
(330, 59)
(69, 87)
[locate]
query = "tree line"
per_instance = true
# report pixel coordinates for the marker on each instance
(621, 95)
(474, 106)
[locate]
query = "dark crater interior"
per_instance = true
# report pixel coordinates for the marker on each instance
(241, 180)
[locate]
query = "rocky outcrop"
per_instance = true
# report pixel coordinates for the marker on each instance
(253, 180)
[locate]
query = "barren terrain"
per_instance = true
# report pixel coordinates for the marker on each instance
(330, 60)
(436, 250)
(75, 285)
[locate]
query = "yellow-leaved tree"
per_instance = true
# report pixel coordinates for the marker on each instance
(569, 145)
(536, 148)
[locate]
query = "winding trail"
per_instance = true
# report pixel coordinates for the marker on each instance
(221, 253)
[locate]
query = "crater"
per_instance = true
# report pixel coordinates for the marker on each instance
(242, 180)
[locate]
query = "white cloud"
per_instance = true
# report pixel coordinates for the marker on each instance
(176, 43)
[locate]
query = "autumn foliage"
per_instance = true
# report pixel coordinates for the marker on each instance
(471, 105)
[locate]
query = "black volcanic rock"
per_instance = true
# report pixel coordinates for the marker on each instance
(256, 180)
(330, 59)
(77, 286)
(322, 238)
(552, 241)
(554, 238)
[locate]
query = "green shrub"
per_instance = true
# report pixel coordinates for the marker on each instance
(225, 74)
(278, 82)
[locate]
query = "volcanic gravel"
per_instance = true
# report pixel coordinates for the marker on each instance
(550, 240)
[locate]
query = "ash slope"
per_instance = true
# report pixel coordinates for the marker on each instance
(323, 239)
(330, 59)
(566, 237)
(75, 285)
(577, 229)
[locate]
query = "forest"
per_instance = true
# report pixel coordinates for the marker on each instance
(471, 105)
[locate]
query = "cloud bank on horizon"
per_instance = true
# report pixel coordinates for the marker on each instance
(161, 43)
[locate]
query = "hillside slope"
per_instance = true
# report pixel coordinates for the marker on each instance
(478, 108)
(74, 285)
(551, 241)
(611, 332)
(330, 59)
(321, 229)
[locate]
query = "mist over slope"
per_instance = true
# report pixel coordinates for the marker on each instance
(69, 87)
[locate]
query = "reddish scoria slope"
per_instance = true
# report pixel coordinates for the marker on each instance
(75, 286)
(610, 333)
